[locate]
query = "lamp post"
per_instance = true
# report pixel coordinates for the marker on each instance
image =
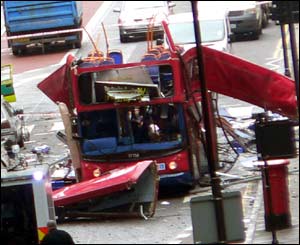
(212, 160)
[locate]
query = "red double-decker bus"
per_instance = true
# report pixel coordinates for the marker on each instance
(150, 110)
(126, 113)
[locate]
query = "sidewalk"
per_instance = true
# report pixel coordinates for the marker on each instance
(254, 219)
(256, 233)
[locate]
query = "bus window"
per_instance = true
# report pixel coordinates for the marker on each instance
(126, 84)
(166, 80)
(98, 124)
(162, 75)
(134, 128)
(85, 88)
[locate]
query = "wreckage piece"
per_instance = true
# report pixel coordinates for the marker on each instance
(232, 76)
(225, 74)
(130, 190)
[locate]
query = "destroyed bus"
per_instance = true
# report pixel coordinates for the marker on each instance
(121, 114)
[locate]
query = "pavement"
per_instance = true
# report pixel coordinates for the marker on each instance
(256, 233)
(254, 211)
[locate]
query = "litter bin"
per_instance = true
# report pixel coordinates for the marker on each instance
(204, 219)
(276, 194)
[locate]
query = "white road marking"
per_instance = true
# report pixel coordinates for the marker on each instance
(274, 64)
(24, 80)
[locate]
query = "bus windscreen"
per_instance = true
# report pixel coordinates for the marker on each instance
(142, 129)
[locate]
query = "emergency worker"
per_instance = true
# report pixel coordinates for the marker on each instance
(56, 236)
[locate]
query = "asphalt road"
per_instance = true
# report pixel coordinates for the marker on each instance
(172, 220)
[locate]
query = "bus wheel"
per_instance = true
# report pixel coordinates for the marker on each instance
(17, 51)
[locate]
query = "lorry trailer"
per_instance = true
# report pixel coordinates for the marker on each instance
(42, 23)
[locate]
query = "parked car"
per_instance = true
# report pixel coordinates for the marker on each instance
(13, 129)
(135, 17)
(214, 26)
(246, 17)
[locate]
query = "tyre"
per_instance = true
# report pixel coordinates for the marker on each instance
(265, 19)
(123, 39)
(15, 51)
(18, 51)
(78, 44)
(255, 35)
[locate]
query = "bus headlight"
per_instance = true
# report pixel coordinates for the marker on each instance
(172, 165)
(97, 172)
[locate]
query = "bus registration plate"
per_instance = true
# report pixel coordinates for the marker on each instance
(161, 166)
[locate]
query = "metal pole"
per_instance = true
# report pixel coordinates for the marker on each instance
(212, 161)
(295, 59)
(287, 71)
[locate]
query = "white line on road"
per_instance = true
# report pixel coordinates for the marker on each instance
(22, 81)
(274, 64)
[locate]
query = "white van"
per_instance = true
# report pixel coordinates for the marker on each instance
(214, 26)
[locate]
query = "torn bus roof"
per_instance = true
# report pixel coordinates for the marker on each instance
(246, 81)
(130, 186)
(225, 74)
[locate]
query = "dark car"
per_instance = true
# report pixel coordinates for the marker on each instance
(13, 130)
(246, 17)
(135, 17)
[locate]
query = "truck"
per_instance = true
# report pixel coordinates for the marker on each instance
(26, 200)
(42, 23)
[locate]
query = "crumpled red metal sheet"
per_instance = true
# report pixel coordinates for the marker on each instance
(122, 178)
(56, 85)
(241, 79)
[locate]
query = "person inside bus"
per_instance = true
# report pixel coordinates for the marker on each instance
(139, 127)
(153, 132)
(168, 124)
(86, 124)
(56, 236)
